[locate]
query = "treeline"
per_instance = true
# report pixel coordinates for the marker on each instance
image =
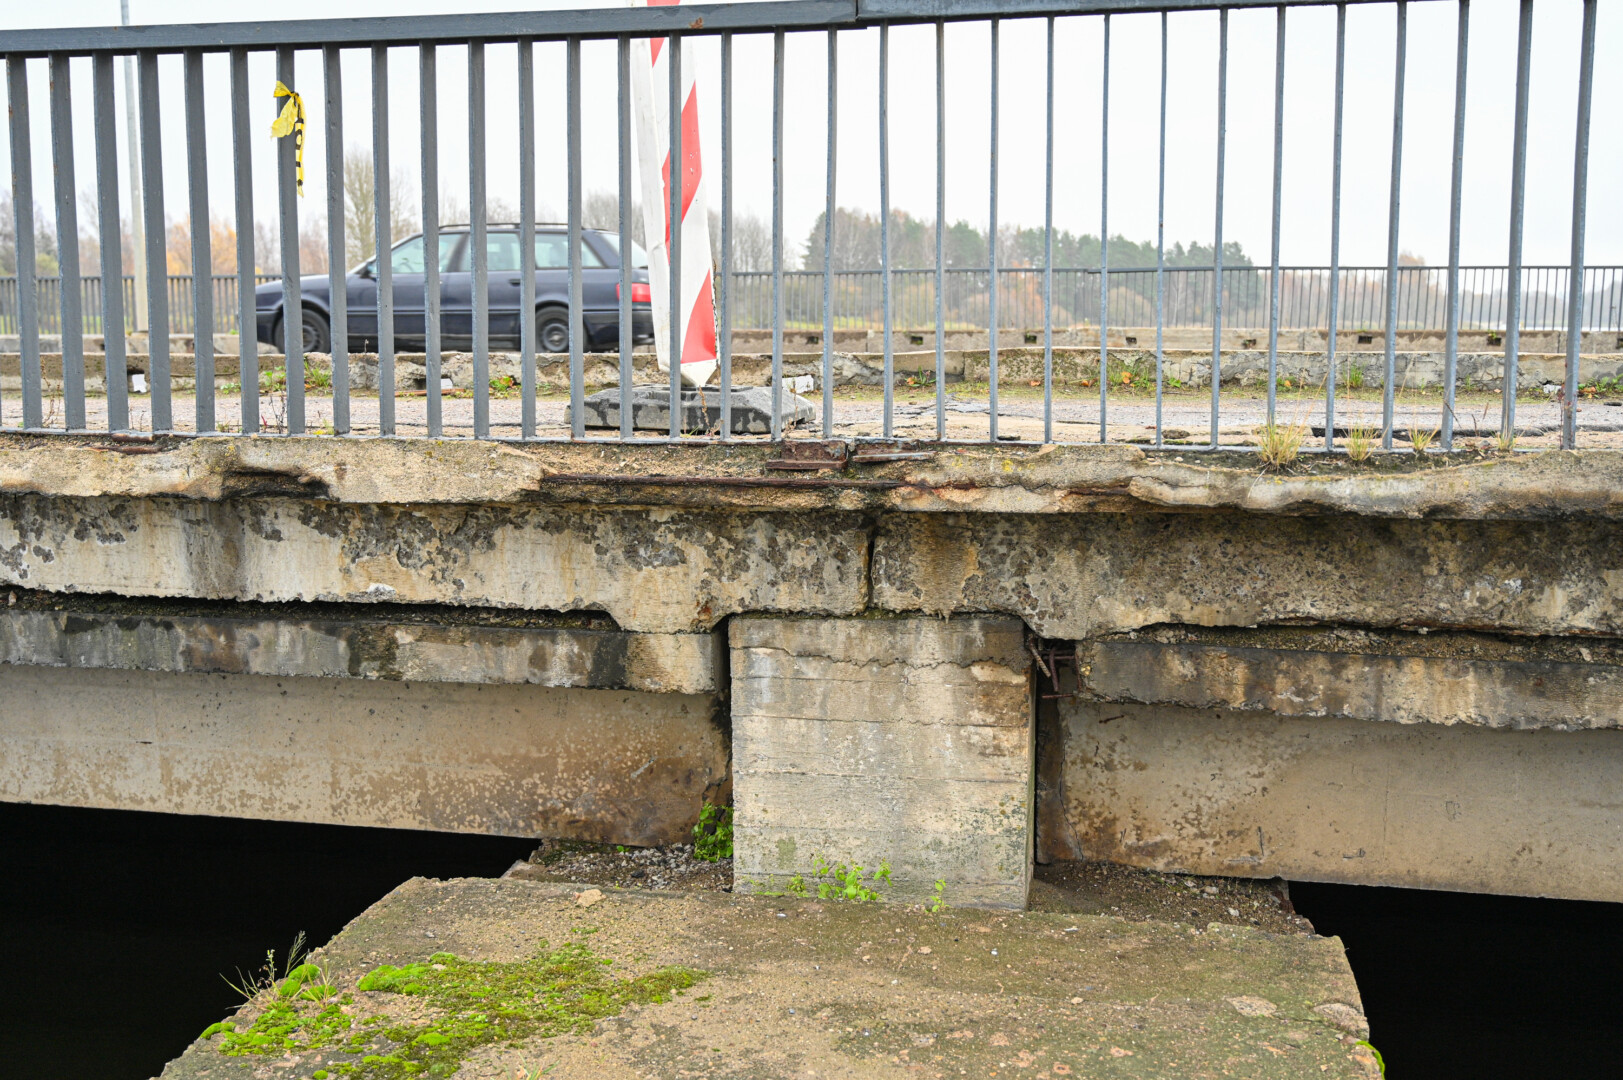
(857, 244)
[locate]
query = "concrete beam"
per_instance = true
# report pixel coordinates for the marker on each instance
(509, 760)
(652, 570)
(907, 741)
(1079, 575)
(1521, 694)
(258, 642)
(1464, 808)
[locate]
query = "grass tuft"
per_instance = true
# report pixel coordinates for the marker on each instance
(1280, 444)
(1360, 442)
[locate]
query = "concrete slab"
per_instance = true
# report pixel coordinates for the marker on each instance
(701, 410)
(801, 988)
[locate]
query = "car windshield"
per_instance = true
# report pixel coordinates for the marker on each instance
(407, 256)
(639, 257)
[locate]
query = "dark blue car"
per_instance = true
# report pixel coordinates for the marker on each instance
(600, 295)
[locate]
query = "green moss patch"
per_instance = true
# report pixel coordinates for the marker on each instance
(470, 1004)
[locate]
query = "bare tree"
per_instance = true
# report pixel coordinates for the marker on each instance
(360, 206)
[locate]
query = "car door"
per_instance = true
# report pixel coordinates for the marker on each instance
(504, 287)
(456, 297)
(410, 277)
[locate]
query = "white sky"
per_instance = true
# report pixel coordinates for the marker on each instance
(1191, 138)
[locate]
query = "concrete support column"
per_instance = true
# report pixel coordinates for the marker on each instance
(869, 740)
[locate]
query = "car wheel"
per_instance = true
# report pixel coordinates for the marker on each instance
(552, 330)
(317, 332)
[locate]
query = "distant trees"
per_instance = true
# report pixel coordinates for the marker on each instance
(912, 246)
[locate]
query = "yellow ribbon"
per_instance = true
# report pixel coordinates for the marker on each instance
(291, 119)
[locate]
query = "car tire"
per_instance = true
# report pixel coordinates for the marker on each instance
(317, 332)
(552, 330)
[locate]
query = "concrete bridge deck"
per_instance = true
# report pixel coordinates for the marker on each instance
(955, 658)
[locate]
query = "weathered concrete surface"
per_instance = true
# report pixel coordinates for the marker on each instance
(1030, 480)
(1404, 689)
(613, 766)
(855, 990)
(1079, 575)
(652, 570)
(1533, 813)
(906, 741)
(258, 640)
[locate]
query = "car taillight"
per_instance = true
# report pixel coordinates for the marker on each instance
(641, 292)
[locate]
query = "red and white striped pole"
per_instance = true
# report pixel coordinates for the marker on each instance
(649, 59)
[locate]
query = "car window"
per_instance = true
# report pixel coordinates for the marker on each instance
(552, 252)
(502, 250)
(407, 257)
(639, 257)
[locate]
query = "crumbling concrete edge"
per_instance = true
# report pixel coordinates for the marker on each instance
(960, 479)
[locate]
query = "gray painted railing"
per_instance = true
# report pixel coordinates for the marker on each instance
(1346, 302)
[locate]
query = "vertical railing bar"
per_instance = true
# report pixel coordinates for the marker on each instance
(1160, 236)
(1389, 378)
(428, 109)
(777, 235)
(1217, 242)
(197, 181)
(673, 227)
(292, 302)
(383, 237)
(829, 212)
(1048, 247)
(1518, 196)
(157, 248)
(1335, 232)
(110, 233)
(884, 219)
(725, 339)
(67, 224)
(1279, 172)
(247, 317)
(1104, 235)
(940, 218)
(991, 249)
(623, 113)
(338, 294)
(478, 245)
(526, 237)
(22, 187)
(577, 359)
(1580, 205)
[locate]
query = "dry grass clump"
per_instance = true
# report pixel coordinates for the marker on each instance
(1280, 444)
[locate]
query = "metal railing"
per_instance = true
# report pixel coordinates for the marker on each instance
(1304, 295)
(1346, 296)
(181, 300)
(858, 299)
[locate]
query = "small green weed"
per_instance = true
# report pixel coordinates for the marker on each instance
(938, 899)
(713, 835)
(838, 881)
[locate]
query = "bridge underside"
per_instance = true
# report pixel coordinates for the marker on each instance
(959, 663)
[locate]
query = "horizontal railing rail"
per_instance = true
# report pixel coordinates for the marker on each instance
(1127, 396)
(858, 299)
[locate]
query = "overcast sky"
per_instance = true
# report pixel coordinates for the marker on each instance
(1135, 60)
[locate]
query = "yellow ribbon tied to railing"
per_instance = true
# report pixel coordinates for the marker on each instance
(291, 120)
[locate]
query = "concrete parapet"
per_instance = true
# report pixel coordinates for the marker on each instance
(899, 740)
